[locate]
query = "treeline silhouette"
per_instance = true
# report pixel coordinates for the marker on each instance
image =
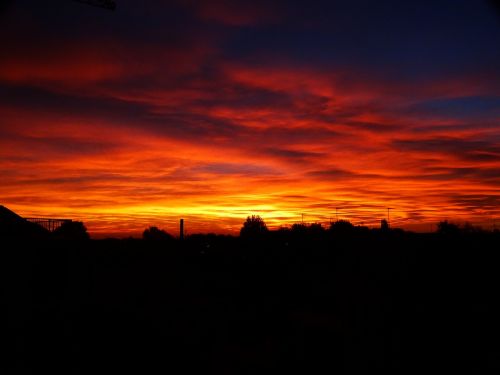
(304, 299)
(255, 228)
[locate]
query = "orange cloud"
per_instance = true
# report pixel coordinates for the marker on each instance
(123, 143)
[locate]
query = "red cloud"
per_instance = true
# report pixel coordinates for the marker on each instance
(124, 137)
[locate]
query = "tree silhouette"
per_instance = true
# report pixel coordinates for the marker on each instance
(316, 229)
(341, 227)
(470, 228)
(299, 229)
(384, 225)
(449, 229)
(72, 230)
(254, 226)
(156, 234)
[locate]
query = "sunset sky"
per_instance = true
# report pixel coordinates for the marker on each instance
(215, 110)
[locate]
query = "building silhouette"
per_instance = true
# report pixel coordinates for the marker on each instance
(13, 225)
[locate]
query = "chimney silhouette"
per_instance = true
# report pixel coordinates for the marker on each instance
(181, 230)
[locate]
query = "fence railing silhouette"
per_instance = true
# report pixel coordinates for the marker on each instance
(49, 224)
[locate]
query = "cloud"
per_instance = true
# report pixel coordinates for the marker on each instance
(213, 111)
(467, 149)
(235, 12)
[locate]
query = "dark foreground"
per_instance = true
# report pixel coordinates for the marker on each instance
(399, 303)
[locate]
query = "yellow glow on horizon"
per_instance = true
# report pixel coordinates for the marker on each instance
(214, 154)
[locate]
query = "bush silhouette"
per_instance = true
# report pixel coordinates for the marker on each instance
(72, 230)
(156, 234)
(254, 226)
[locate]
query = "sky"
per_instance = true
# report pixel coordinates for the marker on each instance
(215, 110)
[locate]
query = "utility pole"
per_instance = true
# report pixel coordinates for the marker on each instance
(336, 214)
(388, 217)
(181, 230)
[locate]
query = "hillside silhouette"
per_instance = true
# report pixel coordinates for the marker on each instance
(304, 299)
